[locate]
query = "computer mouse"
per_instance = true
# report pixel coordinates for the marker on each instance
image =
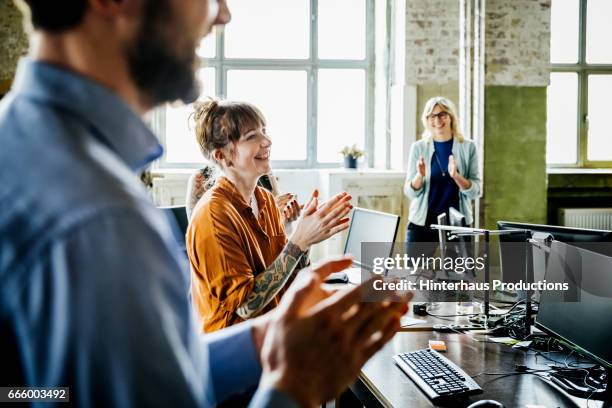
(487, 404)
(337, 277)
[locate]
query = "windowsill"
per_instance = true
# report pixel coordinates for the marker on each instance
(169, 170)
(575, 170)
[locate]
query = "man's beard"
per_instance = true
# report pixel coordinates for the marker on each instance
(160, 71)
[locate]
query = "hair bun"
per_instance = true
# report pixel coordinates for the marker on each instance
(204, 108)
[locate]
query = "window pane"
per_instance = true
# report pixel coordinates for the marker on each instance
(349, 41)
(208, 45)
(600, 133)
(564, 29)
(208, 83)
(282, 98)
(257, 31)
(181, 146)
(340, 113)
(561, 123)
(599, 31)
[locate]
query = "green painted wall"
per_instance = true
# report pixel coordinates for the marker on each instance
(515, 155)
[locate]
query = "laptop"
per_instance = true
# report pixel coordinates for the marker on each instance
(367, 226)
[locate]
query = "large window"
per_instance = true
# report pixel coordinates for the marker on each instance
(579, 133)
(307, 64)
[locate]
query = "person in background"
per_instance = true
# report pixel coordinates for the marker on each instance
(239, 253)
(91, 289)
(442, 173)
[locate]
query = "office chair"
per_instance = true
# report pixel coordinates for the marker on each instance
(177, 217)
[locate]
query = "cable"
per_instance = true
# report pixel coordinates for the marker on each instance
(589, 376)
(566, 369)
(509, 374)
(513, 307)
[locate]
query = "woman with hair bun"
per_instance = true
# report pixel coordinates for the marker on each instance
(239, 253)
(442, 173)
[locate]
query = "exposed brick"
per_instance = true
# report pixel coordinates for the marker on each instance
(432, 41)
(517, 40)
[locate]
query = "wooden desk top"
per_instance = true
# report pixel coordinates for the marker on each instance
(388, 386)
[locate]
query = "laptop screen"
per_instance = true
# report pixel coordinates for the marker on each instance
(370, 226)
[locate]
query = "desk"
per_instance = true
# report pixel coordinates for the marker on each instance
(382, 383)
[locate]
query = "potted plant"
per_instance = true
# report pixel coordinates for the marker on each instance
(351, 154)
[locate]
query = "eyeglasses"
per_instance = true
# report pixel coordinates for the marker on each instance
(441, 116)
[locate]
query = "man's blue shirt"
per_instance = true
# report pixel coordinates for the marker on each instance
(91, 285)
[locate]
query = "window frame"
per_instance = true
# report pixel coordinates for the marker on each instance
(311, 65)
(583, 71)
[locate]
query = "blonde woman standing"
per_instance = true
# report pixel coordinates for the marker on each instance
(442, 173)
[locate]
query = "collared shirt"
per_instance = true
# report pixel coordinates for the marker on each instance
(228, 246)
(92, 295)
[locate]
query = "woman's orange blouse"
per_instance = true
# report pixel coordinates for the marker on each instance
(228, 247)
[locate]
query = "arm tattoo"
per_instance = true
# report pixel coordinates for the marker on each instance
(302, 263)
(271, 281)
(304, 260)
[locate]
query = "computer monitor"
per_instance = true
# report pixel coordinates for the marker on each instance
(451, 245)
(582, 315)
(370, 226)
(576, 236)
(516, 256)
(456, 218)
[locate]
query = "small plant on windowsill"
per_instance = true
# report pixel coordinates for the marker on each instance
(351, 154)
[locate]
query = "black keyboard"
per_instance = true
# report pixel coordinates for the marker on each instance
(436, 375)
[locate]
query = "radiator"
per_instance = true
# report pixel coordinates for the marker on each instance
(596, 218)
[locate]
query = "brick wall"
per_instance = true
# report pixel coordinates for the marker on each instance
(432, 41)
(517, 42)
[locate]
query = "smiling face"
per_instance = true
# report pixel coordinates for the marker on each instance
(233, 135)
(251, 153)
(439, 123)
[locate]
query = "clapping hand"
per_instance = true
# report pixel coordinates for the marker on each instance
(319, 222)
(289, 207)
(317, 341)
(452, 167)
(421, 166)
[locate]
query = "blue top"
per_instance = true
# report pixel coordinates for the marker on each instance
(465, 154)
(443, 191)
(91, 285)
